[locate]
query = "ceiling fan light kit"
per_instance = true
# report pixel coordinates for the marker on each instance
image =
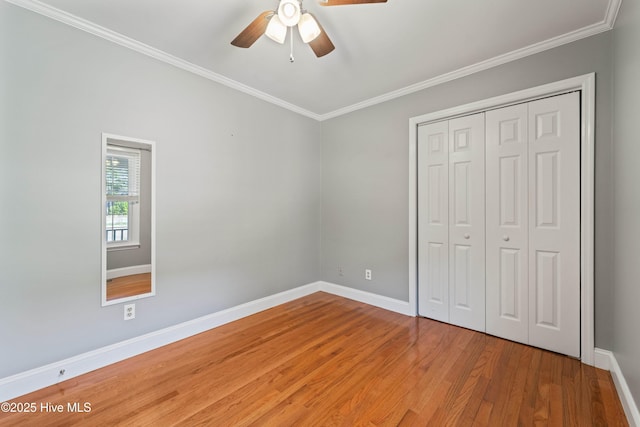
(274, 24)
(276, 30)
(308, 28)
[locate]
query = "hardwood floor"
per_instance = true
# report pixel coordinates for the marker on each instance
(126, 286)
(325, 360)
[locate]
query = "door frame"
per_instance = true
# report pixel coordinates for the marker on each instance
(584, 83)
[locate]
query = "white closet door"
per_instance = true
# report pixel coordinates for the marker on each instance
(466, 222)
(554, 224)
(433, 221)
(507, 223)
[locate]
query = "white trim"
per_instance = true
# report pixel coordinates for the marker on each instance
(128, 271)
(35, 379)
(605, 25)
(612, 13)
(607, 360)
(602, 359)
(391, 304)
(587, 219)
(82, 24)
(585, 83)
(44, 376)
(122, 40)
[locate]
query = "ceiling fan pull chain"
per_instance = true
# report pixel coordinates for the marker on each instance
(291, 58)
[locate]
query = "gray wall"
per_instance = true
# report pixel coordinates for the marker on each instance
(626, 294)
(242, 214)
(365, 172)
(238, 213)
(141, 255)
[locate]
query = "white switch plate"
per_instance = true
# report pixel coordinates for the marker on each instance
(129, 311)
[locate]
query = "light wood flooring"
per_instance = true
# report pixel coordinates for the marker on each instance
(126, 286)
(325, 360)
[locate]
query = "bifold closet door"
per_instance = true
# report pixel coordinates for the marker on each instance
(433, 221)
(451, 221)
(467, 222)
(520, 281)
(533, 223)
(554, 223)
(507, 223)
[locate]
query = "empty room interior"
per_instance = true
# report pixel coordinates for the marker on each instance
(329, 212)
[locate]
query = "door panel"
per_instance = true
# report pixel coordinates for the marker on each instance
(461, 281)
(510, 283)
(510, 193)
(433, 221)
(554, 233)
(466, 222)
(437, 207)
(507, 223)
(546, 289)
(546, 188)
(437, 275)
(461, 193)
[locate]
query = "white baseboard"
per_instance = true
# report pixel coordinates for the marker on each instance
(44, 376)
(604, 359)
(128, 271)
(380, 301)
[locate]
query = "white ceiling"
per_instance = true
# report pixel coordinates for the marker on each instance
(382, 50)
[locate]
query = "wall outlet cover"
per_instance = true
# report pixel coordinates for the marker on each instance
(129, 311)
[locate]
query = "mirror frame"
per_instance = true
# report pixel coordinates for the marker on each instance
(108, 138)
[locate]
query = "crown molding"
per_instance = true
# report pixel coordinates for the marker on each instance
(612, 13)
(112, 36)
(43, 9)
(605, 25)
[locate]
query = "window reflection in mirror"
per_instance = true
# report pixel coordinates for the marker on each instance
(128, 213)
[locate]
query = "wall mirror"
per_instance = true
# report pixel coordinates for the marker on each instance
(128, 219)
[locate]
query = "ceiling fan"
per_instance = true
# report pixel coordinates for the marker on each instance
(275, 23)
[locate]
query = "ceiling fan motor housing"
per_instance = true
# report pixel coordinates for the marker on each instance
(289, 12)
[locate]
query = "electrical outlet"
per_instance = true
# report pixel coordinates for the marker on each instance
(129, 311)
(367, 274)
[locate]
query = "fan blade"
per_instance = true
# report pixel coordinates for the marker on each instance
(322, 44)
(341, 2)
(249, 35)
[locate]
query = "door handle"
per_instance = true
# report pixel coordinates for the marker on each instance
(466, 236)
(505, 238)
